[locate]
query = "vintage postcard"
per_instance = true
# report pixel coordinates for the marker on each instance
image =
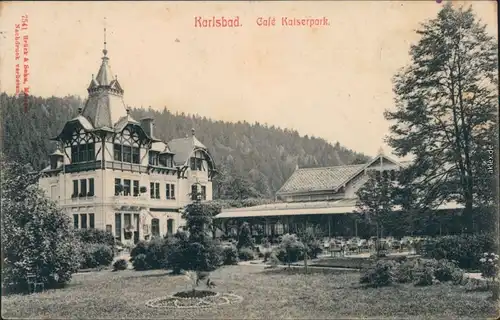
(249, 160)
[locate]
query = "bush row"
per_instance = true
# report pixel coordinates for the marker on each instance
(465, 249)
(420, 272)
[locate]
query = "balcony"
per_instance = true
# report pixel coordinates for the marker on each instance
(88, 197)
(83, 166)
(138, 201)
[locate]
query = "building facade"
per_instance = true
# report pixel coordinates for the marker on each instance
(321, 200)
(110, 172)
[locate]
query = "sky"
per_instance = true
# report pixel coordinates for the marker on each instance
(332, 81)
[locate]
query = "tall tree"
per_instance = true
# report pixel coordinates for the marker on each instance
(445, 113)
(375, 200)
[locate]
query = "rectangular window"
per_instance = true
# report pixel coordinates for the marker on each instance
(118, 183)
(170, 161)
(157, 191)
(82, 150)
(127, 220)
(153, 158)
(74, 154)
(194, 192)
(172, 191)
(152, 190)
(91, 152)
(75, 189)
(127, 154)
(193, 164)
(91, 187)
(167, 191)
(75, 221)
(162, 159)
(118, 226)
(198, 164)
(204, 192)
(117, 152)
(83, 218)
(155, 227)
(126, 187)
(91, 221)
(54, 193)
(136, 188)
(136, 155)
(83, 187)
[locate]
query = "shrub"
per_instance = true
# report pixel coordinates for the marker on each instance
(314, 249)
(96, 255)
(273, 260)
(140, 262)
(489, 265)
(380, 274)
(466, 249)
(423, 273)
(290, 249)
(140, 248)
(245, 237)
(120, 264)
(246, 254)
(457, 277)
(156, 253)
(444, 270)
(37, 237)
(404, 271)
(230, 255)
(267, 255)
(96, 236)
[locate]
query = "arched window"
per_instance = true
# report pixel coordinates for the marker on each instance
(155, 227)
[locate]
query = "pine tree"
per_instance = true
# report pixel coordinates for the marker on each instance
(445, 115)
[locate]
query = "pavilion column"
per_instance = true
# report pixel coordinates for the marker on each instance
(329, 226)
(355, 227)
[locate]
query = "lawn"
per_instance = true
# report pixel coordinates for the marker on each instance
(267, 295)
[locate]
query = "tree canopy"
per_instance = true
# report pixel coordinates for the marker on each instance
(446, 111)
(259, 157)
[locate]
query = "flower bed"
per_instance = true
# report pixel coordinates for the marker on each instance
(201, 299)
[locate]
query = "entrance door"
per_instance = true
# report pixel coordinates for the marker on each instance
(170, 226)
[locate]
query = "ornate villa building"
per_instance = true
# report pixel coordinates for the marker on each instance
(110, 172)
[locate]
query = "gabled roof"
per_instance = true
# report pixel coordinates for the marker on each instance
(183, 148)
(316, 179)
(124, 121)
(327, 178)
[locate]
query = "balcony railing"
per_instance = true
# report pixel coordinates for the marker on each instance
(125, 166)
(83, 166)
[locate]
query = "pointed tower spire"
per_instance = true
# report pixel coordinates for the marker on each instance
(105, 51)
(105, 106)
(380, 151)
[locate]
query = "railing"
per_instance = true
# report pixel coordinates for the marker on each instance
(125, 166)
(83, 166)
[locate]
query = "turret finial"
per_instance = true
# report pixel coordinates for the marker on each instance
(105, 51)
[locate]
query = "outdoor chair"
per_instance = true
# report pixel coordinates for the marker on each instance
(336, 251)
(34, 283)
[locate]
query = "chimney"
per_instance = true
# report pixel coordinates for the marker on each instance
(147, 124)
